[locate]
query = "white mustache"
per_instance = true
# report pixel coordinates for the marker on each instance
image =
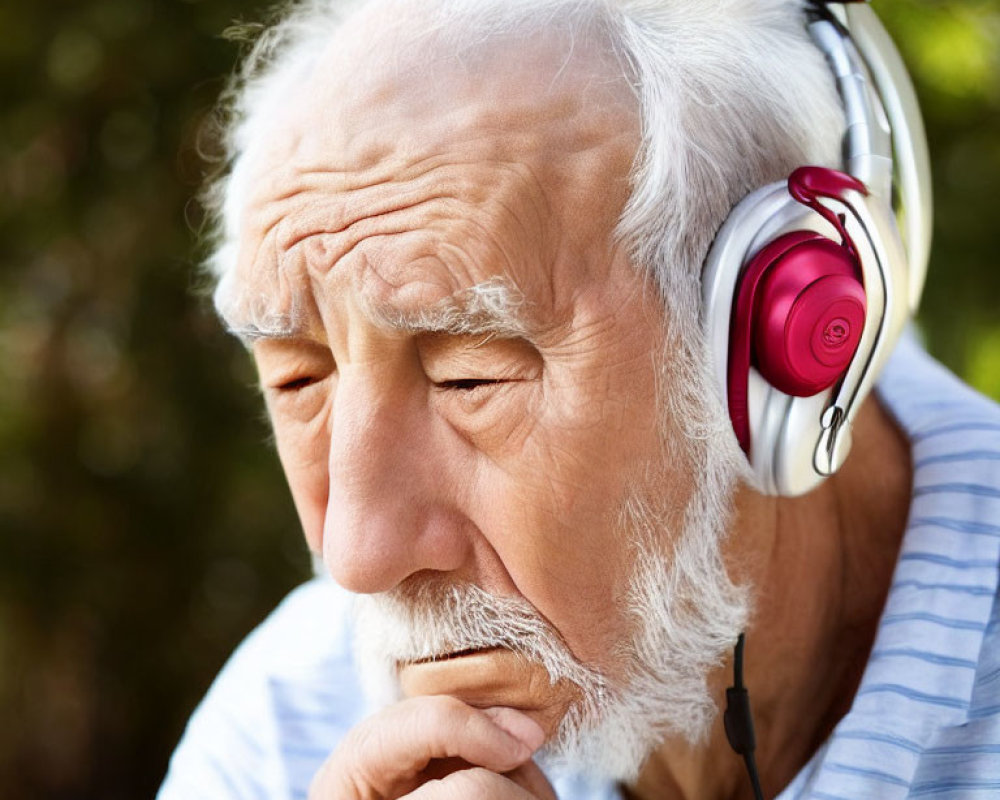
(435, 618)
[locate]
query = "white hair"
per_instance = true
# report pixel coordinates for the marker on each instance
(732, 95)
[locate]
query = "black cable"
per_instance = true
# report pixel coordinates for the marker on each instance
(738, 720)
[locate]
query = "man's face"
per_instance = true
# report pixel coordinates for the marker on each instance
(464, 388)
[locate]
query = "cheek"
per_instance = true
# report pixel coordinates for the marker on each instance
(594, 436)
(580, 588)
(304, 449)
(554, 516)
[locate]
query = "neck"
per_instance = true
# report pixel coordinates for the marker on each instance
(821, 566)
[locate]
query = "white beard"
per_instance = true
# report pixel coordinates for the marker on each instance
(680, 620)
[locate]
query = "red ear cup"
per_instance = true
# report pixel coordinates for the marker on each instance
(798, 317)
(808, 318)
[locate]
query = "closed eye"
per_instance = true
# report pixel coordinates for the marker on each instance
(468, 384)
(295, 384)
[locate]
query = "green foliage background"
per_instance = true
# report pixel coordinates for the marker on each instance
(144, 523)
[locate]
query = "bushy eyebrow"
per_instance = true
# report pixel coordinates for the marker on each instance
(266, 326)
(493, 307)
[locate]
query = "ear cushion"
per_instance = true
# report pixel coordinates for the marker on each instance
(798, 318)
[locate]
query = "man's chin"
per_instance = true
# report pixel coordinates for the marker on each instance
(489, 678)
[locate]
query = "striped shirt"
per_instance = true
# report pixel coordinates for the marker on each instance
(925, 721)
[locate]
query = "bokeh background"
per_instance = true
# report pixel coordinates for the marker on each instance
(144, 523)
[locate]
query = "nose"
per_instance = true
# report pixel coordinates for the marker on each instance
(391, 510)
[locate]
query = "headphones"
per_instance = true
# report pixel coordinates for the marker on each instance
(810, 281)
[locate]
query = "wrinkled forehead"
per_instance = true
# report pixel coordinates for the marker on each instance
(381, 103)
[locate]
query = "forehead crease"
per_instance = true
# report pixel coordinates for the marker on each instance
(425, 188)
(330, 203)
(262, 297)
(457, 212)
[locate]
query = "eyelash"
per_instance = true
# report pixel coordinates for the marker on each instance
(459, 384)
(469, 384)
(296, 384)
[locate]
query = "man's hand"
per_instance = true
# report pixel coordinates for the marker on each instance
(436, 748)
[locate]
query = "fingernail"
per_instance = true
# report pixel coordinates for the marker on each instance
(519, 725)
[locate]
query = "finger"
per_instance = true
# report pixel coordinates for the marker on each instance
(528, 776)
(531, 778)
(387, 753)
(481, 784)
(517, 724)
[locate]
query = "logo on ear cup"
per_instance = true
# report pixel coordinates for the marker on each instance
(836, 333)
(800, 306)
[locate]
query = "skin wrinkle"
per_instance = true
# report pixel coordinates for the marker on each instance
(333, 258)
(260, 317)
(291, 254)
(413, 266)
(293, 239)
(379, 198)
(379, 215)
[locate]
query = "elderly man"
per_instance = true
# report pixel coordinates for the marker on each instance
(464, 240)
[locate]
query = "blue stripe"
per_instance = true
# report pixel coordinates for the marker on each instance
(913, 694)
(923, 655)
(936, 787)
(982, 712)
(961, 488)
(961, 426)
(307, 753)
(884, 738)
(310, 694)
(989, 677)
(331, 717)
(976, 591)
(847, 769)
(950, 458)
(827, 796)
(957, 525)
(958, 750)
(944, 561)
(934, 619)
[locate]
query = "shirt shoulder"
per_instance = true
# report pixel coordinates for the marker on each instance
(925, 721)
(964, 760)
(279, 706)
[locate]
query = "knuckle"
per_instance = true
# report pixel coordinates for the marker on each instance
(347, 770)
(442, 713)
(443, 706)
(368, 748)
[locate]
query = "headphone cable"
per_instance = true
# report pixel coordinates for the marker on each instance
(738, 720)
